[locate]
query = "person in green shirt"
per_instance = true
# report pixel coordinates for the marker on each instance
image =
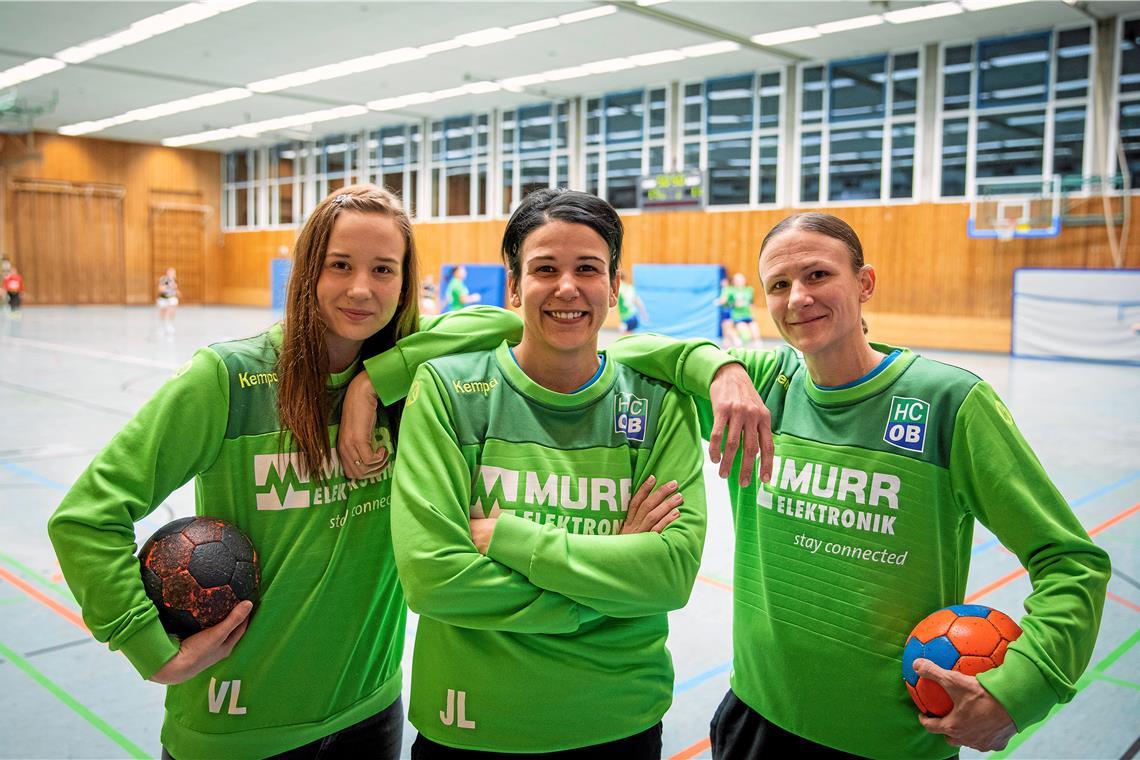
(629, 305)
(538, 519)
(250, 422)
(884, 460)
(457, 295)
(738, 298)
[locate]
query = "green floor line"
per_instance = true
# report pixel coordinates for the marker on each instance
(1090, 675)
(1118, 681)
(85, 713)
(59, 589)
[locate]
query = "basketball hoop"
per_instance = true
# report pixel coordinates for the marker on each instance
(1005, 229)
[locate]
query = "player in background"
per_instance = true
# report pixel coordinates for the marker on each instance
(167, 302)
(14, 287)
(738, 299)
(535, 587)
(429, 295)
(629, 305)
(457, 294)
(884, 460)
(317, 668)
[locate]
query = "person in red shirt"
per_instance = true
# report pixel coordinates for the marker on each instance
(14, 285)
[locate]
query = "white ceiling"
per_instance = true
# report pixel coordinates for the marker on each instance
(270, 38)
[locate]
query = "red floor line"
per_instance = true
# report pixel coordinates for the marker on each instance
(715, 582)
(43, 599)
(1021, 570)
(1123, 601)
(692, 751)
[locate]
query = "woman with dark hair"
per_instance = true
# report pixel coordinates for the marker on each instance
(883, 461)
(316, 669)
(530, 530)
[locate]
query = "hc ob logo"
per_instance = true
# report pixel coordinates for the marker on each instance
(631, 414)
(906, 423)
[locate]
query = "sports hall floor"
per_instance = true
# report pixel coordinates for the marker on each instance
(71, 376)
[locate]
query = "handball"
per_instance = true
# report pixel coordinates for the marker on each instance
(196, 570)
(968, 638)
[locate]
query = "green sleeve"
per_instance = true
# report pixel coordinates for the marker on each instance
(177, 434)
(477, 328)
(996, 476)
(623, 576)
(689, 365)
(443, 575)
(759, 364)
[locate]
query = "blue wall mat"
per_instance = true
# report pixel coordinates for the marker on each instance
(279, 270)
(488, 280)
(680, 298)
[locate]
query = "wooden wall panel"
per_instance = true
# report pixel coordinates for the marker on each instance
(146, 173)
(178, 239)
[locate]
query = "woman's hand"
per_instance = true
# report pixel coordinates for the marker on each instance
(354, 437)
(205, 648)
(652, 510)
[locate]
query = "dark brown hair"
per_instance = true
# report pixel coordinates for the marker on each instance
(822, 224)
(303, 366)
(559, 204)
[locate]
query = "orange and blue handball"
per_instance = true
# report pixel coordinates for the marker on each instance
(967, 638)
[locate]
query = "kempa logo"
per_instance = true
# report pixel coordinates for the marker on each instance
(476, 386)
(906, 423)
(250, 379)
(631, 416)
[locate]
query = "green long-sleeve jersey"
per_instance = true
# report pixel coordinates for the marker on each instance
(324, 646)
(556, 638)
(866, 528)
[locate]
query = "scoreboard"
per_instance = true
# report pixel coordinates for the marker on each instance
(672, 191)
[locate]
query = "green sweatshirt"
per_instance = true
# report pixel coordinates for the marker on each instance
(866, 528)
(556, 638)
(323, 647)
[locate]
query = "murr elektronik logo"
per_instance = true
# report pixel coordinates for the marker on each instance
(631, 416)
(906, 423)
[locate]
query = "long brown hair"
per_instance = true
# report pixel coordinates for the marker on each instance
(303, 366)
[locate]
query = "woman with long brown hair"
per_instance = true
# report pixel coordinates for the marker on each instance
(316, 670)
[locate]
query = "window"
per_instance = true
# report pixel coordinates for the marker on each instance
(460, 156)
(1129, 94)
(335, 156)
(394, 156)
(625, 140)
(284, 202)
(535, 139)
(238, 183)
(1022, 113)
(731, 131)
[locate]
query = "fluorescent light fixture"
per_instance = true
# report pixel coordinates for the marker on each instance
(439, 47)
(254, 129)
(420, 97)
(795, 34)
(156, 111)
(847, 24)
(516, 84)
(985, 5)
(34, 68)
(485, 37)
(534, 26)
(710, 48)
(922, 13)
(200, 137)
(656, 57)
(586, 15)
(337, 70)
(387, 104)
(570, 72)
(609, 65)
(85, 127)
(646, 3)
(481, 88)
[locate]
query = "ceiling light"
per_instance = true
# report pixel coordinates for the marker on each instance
(534, 26)
(656, 57)
(516, 84)
(439, 47)
(420, 97)
(786, 35)
(485, 37)
(84, 127)
(846, 25)
(601, 10)
(387, 104)
(188, 104)
(646, 3)
(570, 72)
(36, 67)
(481, 88)
(200, 137)
(709, 48)
(337, 70)
(609, 65)
(983, 5)
(922, 13)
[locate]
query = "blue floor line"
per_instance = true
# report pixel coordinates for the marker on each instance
(700, 678)
(1075, 504)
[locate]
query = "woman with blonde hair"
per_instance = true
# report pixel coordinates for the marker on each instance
(316, 670)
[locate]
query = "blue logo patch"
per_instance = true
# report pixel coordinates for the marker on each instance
(906, 423)
(631, 416)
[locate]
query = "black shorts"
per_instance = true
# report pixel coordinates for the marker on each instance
(740, 733)
(643, 746)
(631, 323)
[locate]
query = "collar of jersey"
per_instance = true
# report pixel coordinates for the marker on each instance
(336, 379)
(521, 382)
(867, 388)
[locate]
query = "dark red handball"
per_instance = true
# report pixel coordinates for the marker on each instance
(196, 570)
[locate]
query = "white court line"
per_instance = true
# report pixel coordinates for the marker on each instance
(73, 350)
